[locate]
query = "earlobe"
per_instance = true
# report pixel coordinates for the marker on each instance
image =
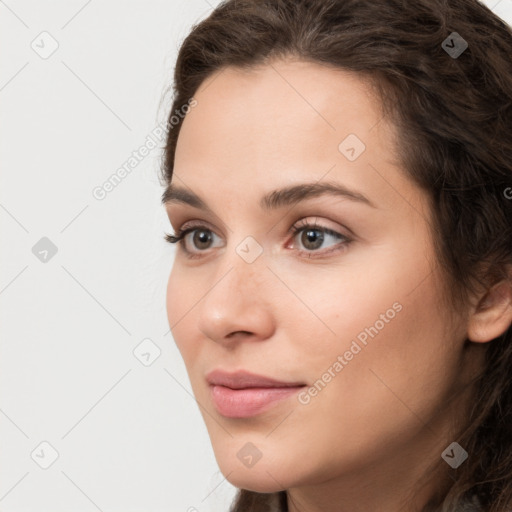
(492, 316)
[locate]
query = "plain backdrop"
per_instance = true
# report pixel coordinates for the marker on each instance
(96, 409)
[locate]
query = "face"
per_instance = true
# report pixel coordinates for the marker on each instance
(333, 296)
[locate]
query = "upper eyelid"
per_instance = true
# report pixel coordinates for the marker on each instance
(295, 228)
(190, 225)
(300, 224)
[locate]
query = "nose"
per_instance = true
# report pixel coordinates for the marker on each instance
(239, 304)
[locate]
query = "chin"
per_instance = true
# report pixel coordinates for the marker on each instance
(266, 475)
(262, 481)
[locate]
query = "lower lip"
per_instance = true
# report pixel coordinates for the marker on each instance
(244, 403)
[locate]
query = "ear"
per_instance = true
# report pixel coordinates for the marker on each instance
(492, 315)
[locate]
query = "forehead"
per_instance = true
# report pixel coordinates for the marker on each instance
(290, 97)
(282, 122)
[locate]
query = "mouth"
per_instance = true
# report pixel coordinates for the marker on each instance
(243, 394)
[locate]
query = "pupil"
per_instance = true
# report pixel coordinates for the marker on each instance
(201, 237)
(312, 236)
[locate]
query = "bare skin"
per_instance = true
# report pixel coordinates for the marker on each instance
(364, 441)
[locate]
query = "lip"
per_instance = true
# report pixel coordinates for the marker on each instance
(242, 379)
(242, 394)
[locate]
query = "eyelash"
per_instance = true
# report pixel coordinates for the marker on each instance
(295, 229)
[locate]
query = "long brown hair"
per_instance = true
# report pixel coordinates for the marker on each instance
(454, 117)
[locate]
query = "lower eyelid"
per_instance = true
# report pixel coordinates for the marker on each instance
(342, 244)
(339, 247)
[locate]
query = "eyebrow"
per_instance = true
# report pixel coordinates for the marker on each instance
(273, 200)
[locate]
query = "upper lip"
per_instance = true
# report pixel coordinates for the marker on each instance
(242, 379)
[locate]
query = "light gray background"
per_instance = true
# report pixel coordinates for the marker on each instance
(129, 435)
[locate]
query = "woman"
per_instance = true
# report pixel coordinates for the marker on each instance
(340, 188)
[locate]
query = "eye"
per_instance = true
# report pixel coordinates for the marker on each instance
(313, 236)
(200, 239)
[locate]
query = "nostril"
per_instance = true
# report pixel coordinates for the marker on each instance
(231, 334)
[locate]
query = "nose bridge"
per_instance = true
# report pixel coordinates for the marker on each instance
(242, 269)
(236, 300)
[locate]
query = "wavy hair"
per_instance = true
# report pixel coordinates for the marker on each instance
(454, 120)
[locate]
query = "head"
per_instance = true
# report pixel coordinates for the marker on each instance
(343, 184)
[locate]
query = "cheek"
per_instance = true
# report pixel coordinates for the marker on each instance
(395, 367)
(386, 326)
(181, 296)
(172, 303)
